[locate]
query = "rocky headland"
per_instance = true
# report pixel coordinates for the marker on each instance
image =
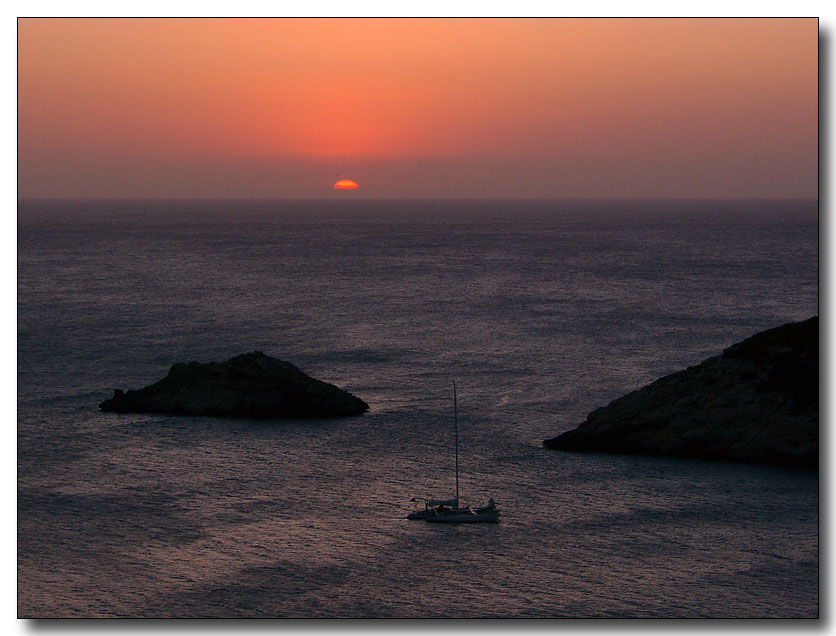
(757, 402)
(249, 385)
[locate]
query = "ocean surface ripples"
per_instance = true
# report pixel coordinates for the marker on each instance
(541, 311)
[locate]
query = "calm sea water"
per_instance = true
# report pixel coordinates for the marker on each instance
(541, 312)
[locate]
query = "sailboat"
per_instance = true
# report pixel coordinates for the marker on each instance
(449, 510)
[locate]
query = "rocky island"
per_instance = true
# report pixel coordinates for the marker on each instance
(249, 385)
(757, 402)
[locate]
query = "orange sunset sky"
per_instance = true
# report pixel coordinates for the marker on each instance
(417, 107)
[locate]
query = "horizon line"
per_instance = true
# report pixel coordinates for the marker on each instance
(419, 198)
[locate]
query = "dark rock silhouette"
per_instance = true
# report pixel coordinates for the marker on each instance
(757, 402)
(249, 385)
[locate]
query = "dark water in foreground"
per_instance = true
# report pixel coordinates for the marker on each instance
(540, 312)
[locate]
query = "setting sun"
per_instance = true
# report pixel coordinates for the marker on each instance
(346, 184)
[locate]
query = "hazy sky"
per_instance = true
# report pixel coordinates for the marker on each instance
(418, 107)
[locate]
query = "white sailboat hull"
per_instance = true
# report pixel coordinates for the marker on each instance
(464, 517)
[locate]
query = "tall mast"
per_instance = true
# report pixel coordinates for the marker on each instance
(456, 426)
